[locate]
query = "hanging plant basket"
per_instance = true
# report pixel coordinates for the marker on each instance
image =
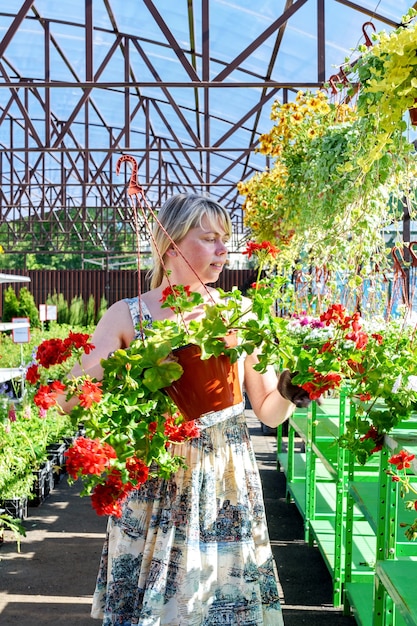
(206, 385)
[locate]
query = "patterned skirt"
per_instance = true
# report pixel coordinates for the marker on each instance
(194, 550)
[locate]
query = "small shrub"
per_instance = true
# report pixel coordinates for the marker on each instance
(62, 307)
(22, 306)
(77, 312)
(90, 314)
(11, 305)
(102, 309)
(27, 307)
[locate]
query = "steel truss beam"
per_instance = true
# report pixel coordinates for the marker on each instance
(58, 188)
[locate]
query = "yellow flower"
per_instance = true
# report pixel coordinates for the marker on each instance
(296, 118)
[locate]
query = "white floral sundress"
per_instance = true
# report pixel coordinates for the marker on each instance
(193, 550)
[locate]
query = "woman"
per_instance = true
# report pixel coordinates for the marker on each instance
(194, 549)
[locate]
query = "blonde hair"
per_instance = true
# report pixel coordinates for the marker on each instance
(177, 216)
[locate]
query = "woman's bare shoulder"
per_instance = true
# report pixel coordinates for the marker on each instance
(117, 323)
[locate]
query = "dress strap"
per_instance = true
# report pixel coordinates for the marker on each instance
(133, 304)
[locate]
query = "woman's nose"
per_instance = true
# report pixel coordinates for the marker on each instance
(221, 248)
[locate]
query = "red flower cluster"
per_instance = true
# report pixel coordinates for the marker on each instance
(402, 460)
(88, 456)
(175, 291)
(321, 383)
(55, 352)
(47, 395)
(108, 498)
(347, 327)
(90, 393)
(178, 433)
(336, 315)
(252, 248)
(375, 436)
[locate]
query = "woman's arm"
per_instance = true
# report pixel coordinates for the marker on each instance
(114, 330)
(268, 404)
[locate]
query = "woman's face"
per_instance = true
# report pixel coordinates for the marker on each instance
(205, 249)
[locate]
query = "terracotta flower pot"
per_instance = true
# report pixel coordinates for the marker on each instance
(206, 385)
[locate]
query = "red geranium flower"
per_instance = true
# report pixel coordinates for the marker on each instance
(375, 436)
(360, 338)
(378, 338)
(52, 352)
(174, 290)
(335, 314)
(321, 383)
(107, 498)
(89, 456)
(47, 395)
(356, 367)
(402, 460)
(138, 470)
(32, 374)
(180, 432)
(90, 393)
(327, 347)
(252, 247)
(79, 341)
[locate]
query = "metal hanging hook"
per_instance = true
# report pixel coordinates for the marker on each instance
(333, 81)
(368, 41)
(134, 188)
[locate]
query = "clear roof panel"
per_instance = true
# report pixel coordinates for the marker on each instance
(187, 93)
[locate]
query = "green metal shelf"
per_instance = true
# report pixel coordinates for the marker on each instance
(326, 428)
(359, 597)
(397, 579)
(363, 547)
(366, 497)
(352, 513)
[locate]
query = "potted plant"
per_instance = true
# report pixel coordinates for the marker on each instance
(128, 417)
(386, 75)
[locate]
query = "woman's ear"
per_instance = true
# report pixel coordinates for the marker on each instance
(171, 252)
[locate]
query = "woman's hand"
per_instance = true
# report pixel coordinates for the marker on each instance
(291, 392)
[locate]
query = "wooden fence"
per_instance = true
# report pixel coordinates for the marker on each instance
(113, 285)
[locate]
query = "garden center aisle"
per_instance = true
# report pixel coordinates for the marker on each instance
(51, 581)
